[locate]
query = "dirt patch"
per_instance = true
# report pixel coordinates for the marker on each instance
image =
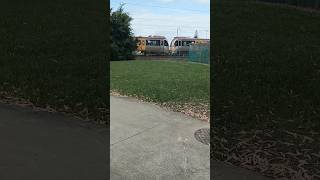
(7, 98)
(290, 157)
(199, 111)
(115, 93)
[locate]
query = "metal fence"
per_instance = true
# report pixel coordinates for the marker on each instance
(314, 4)
(199, 53)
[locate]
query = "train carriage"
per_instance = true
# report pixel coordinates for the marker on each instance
(152, 45)
(179, 46)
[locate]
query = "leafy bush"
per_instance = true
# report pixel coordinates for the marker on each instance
(122, 41)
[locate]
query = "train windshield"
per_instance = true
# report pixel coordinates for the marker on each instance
(166, 43)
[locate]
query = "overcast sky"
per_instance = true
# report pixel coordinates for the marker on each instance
(164, 17)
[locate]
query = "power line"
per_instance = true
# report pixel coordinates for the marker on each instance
(173, 30)
(163, 25)
(170, 27)
(164, 7)
(165, 18)
(170, 31)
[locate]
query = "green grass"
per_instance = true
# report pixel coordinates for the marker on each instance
(162, 81)
(54, 52)
(266, 74)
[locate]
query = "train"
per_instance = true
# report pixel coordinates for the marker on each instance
(158, 45)
(152, 45)
(180, 45)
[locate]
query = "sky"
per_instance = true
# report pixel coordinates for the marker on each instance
(168, 17)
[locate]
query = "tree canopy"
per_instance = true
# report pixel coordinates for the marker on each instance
(122, 40)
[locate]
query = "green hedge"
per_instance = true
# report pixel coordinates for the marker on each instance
(55, 53)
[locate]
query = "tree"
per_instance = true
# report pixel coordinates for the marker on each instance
(122, 40)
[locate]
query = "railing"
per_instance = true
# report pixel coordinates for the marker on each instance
(199, 53)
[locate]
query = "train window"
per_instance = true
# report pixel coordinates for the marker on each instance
(153, 42)
(166, 43)
(179, 43)
(189, 42)
(184, 43)
(156, 42)
(176, 43)
(161, 43)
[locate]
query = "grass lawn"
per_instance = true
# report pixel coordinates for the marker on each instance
(266, 101)
(53, 53)
(161, 81)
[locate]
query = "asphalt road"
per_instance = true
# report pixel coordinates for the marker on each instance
(50, 146)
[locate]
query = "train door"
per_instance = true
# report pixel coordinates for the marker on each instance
(156, 46)
(179, 48)
(174, 48)
(161, 48)
(163, 45)
(166, 47)
(149, 47)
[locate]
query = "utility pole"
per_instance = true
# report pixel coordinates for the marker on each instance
(177, 31)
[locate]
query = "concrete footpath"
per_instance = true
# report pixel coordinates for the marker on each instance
(149, 143)
(50, 146)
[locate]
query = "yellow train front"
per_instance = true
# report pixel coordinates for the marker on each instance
(152, 45)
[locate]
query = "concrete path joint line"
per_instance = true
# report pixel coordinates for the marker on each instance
(147, 129)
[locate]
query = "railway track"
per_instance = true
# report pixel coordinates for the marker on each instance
(155, 57)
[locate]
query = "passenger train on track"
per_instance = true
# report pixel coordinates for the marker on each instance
(158, 45)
